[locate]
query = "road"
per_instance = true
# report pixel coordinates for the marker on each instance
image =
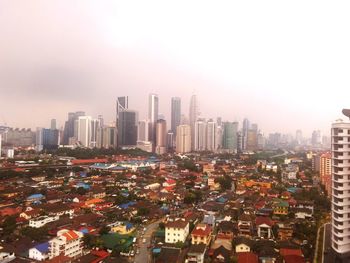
(143, 256)
(327, 255)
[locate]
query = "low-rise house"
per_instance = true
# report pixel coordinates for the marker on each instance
(285, 231)
(242, 244)
(280, 208)
(264, 227)
(196, 254)
(247, 257)
(201, 234)
(302, 213)
(40, 252)
(245, 225)
(176, 230)
(42, 221)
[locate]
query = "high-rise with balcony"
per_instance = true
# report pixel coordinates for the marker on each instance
(341, 188)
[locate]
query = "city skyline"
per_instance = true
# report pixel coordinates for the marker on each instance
(235, 75)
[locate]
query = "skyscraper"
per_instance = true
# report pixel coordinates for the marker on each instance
(175, 113)
(53, 124)
(193, 117)
(183, 139)
(245, 128)
(142, 132)
(84, 130)
(229, 140)
(127, 128)
(46, 139)
(122, 104)
(161, 136)
(200, 138)
(70, 127)
(252, 140)
(152, 117)
(341, 188)
(211, 136)
(95, 126)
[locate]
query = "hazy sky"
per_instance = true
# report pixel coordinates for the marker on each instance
(282, 64)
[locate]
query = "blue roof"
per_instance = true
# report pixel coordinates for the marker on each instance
(125, 206)
(156, 250)
(129, 226)
(43, 247)
(84, 231)
(35, 196)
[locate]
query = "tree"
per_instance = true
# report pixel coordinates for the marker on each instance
(36, 234)
(9, 225)
(225, 182)
(142, 211)
(104, 230)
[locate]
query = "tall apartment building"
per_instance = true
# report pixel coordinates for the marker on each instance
(200, 135)
(211, 136)
(161, 137)
(341, 188)
(326, 172)
(153, 106)
(183, 139)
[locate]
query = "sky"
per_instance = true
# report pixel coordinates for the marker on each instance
(282, 64)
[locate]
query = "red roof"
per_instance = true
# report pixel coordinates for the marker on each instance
(291, 251)
(89, 161)
(70, 235)
(199, 231)
(263, 220)
(247, 257)
(294, 259)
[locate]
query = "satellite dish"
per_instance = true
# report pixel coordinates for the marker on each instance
(346, 112)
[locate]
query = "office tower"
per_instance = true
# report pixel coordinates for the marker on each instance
(200, 135)
(70, 127)
(95, 126)
(211, 140)
(53, 124)
(84, 131)
(316, 138)
(152, 117)
(229, 140)
(100, 121)
(142, 132)
(127, 128)
(175, 113)
(245, 129)
(122, 104)
(170, 140)
(183, 139)
(19, 137)
(341, 188)
(239, 142)
(252, 140)
(46, 139)
(299, 137)
(161, 137)
(326, 172)
(193, 117)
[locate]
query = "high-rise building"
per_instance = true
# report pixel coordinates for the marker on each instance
(252, 140)
(341, 188)
(122, 104)
(183, 139)
(142, 132)
(46, 139)
(175, 113)
(53, 124)
(170, 140)
(19, 137)
(211, 136)
(245, 128)
(229, 140)
(194, 113)
(71, 127)
(239, 142)
(95, 126)
(299, 137)
(200, 135)
(316, 138)
(153, 102)
(127, 128)
(84, 131)
(161, 137)
(326, 172)
(219, 137)
(106, 137)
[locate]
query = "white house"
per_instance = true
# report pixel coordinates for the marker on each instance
(42, 220)
(176, 230)
(68, 243)
(40, 252)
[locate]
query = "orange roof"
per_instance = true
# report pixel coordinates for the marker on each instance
(94, 201)
(89, 161)
(70, 235)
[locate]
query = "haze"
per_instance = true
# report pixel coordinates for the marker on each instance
(282, 64)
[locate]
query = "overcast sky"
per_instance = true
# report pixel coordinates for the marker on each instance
(283, 64)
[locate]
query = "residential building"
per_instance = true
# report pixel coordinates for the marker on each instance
(326, 172)
(84, 130)
(42, 220)
(211, 140)
(67, 243)
(40, 252)
(183, 139)
(194, 114)
(153, 104)
(196, 254)
(201, 234)
(176, 230)
(161, 137)
(229, 140)
(200, 137)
